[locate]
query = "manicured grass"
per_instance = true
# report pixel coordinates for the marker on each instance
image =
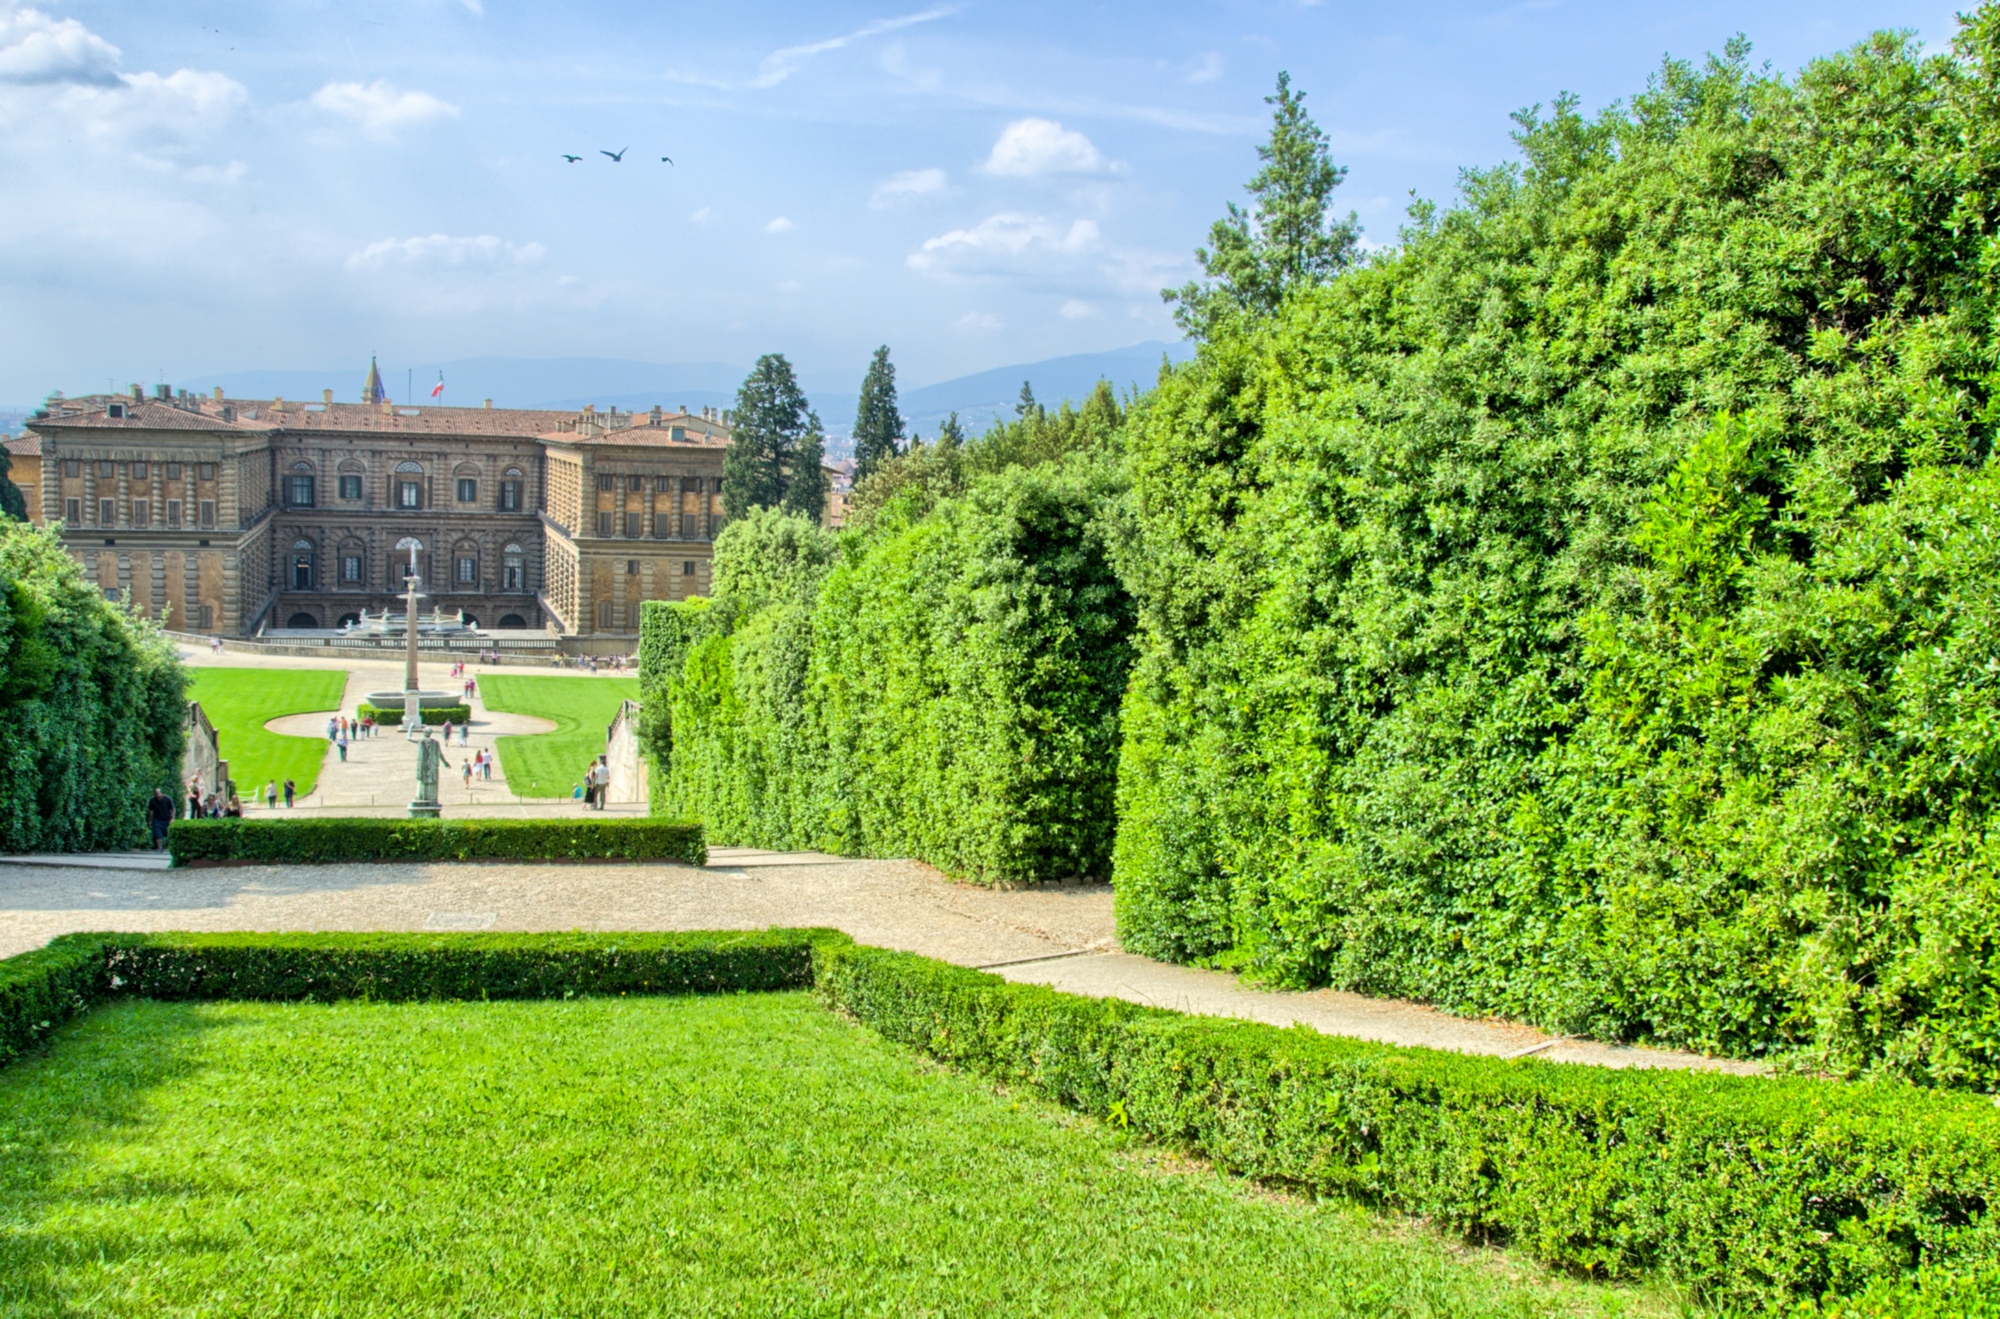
(741, 1154)
(238, 701)
(550, 764)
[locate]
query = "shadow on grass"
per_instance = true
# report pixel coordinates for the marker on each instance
(90, 1079)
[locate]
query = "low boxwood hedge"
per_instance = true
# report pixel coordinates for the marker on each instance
(1750, 1190)
(40, 989)
(391, 716)
(337, 839)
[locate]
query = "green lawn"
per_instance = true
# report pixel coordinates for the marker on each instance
(238, 701)
(645, 1156)
(548, 765)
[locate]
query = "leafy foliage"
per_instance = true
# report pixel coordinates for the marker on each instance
(775, 446)
(1251, 264)
(391, 716)
(945, 687)
(93, 710)
(1585, 613)
(1751, 1190)
(339, 839)
(878, 426)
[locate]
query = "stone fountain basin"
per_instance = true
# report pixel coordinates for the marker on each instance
(425, 700)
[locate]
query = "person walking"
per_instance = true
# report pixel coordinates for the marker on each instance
(160, 814)
(271, 794)
(340, 745)
(194, 798)
(603, 781)
(465, 773)
(290, 789)
(332, 729)
(465, 733)
(447, 732)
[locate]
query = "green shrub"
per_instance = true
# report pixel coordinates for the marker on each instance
(392, 716)
(42, 988)
(1585, 613)
(93, 708)
(1750, 1190)
(947, 688)
(338, 839)
(460, 966)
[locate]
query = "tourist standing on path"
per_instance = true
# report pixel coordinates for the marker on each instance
(332, 729)
(194, 798)
(465, 733)
(271, 794)
(340, 745)
(160, 813)
(290, 788)
(447, 732)
(465, 774)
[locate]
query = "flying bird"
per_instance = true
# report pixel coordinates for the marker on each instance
(669, 160)
(571, 159)
(615, 156)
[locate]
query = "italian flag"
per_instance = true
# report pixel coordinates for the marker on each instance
(438, 388)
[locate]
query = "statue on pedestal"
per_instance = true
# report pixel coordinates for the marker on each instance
(429, 757)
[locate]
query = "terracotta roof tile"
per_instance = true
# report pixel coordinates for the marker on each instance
(150, 415)
(24, 446)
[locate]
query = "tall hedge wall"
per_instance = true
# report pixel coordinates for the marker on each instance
(944, 685)
(93, 705)
(1588, 612)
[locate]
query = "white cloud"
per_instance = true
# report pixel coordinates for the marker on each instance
(1076, 310)
(1030, 147)
(903, 186)
(782, 64)
(779, 226)
(977, 322)
(477, 9)
(1208, 70)
(446, 252)
(378, 108)
(35, 48)
(1001, 243)
(700, 216)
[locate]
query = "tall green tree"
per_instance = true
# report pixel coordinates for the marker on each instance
(775, 450)
(13, 502)
(878, 426)
(1253, 261)
(951, 435)
(1027, 407)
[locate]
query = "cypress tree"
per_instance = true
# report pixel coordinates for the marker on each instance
(776, 444)
(878, 426)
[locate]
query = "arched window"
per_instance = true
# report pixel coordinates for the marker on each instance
(512, 621)
(465, 479)
(513, 569)
(299, 486)
(465, 566)
(409, 485)
(302, 567)
(510, 490)
(351, 475)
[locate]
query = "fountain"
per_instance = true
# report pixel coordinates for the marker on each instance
(413, 701)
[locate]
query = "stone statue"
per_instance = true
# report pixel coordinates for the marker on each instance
(429, 757)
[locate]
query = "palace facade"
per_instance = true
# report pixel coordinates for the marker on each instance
(245, 515)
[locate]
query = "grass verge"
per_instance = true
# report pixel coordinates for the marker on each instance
(550, 764)
(238, 701)
(739, 1154)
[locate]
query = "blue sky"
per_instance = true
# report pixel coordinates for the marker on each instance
(208, 187)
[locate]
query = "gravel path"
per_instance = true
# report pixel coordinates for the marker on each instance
(1056, 935)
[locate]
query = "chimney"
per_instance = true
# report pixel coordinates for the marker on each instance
(326, 396)
(489, 402)
(277, 403)
(138, 393)
(656, 414)
(163, 392)
(590, 407)
(218, 393)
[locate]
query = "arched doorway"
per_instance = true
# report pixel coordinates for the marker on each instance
(512, 621)
(302, 620)
(470, 621)
(349, 620)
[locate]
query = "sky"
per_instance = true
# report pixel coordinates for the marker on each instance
(197, 188)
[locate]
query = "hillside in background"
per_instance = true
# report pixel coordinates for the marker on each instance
(571, 382)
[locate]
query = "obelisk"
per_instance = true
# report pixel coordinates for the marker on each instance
(413, 714)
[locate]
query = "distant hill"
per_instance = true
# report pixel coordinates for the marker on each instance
(571, 382)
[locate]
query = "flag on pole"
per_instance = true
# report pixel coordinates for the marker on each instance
(438, 388)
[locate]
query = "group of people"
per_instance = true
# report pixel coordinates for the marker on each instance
(589, 663)
(596, 779)
(477, 765)
(340, 730)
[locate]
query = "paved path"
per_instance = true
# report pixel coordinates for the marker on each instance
(1055, 935)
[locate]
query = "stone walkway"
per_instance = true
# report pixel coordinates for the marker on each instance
(1060, 936)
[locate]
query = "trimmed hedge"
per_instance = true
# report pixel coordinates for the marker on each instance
(41, 989)
(327, 841)
(945, 686)
(392, 716)
(1750, 1190)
